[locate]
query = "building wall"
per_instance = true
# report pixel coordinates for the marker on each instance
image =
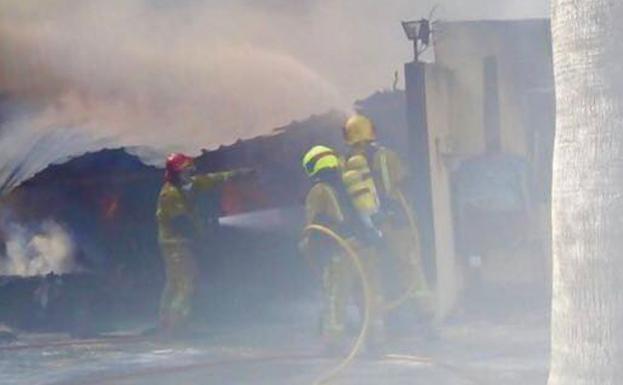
(456, 94)
(438, 102)
(524, 65)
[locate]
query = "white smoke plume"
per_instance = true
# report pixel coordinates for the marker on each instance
(28, 253)
(152, 76)
(190, 74)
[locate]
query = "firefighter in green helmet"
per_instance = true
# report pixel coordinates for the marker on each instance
(328, 204)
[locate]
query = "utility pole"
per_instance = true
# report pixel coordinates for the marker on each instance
(419, 158)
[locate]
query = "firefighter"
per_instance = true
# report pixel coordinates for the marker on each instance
(180, 229)
(395, 218)
(328, 204)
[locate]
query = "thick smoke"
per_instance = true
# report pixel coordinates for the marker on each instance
(153, 76)
(192, 74)
(30, 253)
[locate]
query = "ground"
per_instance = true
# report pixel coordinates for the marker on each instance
(468, 350)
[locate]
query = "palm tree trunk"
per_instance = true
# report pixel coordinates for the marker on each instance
(587, 194)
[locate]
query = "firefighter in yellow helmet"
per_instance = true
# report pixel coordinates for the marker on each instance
(178, 233)
(389, 176)
(329, 204)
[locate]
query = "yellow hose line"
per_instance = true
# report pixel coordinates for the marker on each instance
(411, 290)
(367, 294)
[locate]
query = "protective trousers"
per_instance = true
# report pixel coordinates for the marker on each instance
(181, 277)
(341, 284)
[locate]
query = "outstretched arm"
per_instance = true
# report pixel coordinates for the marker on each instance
(211, 180)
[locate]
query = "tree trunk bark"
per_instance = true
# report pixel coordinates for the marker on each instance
(587, 194)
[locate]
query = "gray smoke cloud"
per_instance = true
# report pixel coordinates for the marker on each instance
(150, 76)
(32, 253)
(193, 74)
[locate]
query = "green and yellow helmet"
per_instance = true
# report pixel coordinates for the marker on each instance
(320, 158)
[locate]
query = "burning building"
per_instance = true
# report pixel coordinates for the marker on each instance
(104, 203)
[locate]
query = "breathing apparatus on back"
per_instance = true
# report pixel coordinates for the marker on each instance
(358, 181)
(359, 133)
(354, 192)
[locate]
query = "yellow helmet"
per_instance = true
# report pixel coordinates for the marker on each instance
(320, 158)
(358, 129)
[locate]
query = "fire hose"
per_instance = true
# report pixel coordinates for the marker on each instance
(356, 261)
(411, 290)
(115, 378)
(367, 297)
(368, 294)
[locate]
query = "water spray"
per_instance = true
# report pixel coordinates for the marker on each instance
(257, 220)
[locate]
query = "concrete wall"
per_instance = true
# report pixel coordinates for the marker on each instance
(456, 95)
(438, 102)
(521, 49)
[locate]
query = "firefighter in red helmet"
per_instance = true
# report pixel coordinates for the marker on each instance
(179, 227)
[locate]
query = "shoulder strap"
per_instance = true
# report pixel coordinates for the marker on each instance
(380, 177)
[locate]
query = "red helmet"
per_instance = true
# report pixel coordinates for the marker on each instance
(176, 163)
